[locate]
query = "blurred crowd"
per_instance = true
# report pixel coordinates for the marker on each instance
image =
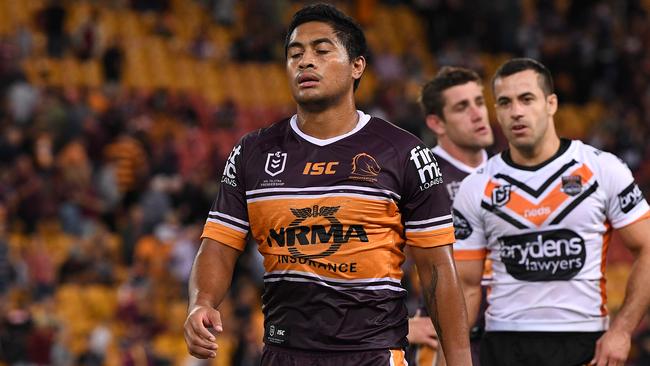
(104, 189)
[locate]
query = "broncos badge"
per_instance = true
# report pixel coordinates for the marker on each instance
(365, 168)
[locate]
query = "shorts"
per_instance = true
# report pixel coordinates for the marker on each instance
(280, 356)
(419, 355)
(538, 348)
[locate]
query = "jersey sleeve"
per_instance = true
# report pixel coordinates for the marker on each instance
(471, 243)
(425, 207)
(625, 201)
(227, 220)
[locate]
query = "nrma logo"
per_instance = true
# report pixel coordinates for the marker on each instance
(297, 235)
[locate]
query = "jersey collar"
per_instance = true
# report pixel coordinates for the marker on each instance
(438, 150)
(363, 120)
(564, 146)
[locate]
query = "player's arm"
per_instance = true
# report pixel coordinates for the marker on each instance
(444, 300)
(471, 273)
(209, 281)
(614, 346)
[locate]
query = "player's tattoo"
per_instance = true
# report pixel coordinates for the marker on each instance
(432, 301)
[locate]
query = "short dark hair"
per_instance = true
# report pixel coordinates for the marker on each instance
(347, 30)
(516, 65)
(431, 99)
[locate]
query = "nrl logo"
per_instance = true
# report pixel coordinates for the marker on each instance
(501, 195)
(275, 163)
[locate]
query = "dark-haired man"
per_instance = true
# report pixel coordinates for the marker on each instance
(455, 111)
(543, 212)
(332, 196)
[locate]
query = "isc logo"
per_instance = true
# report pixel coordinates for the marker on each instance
(320, 168)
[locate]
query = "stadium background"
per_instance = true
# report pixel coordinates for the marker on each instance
(116, 118)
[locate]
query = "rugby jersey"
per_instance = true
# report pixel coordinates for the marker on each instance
(546, 230)
(331, 219)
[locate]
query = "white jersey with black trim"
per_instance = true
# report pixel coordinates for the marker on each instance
(546, 230)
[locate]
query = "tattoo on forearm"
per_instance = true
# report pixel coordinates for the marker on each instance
(432, 301)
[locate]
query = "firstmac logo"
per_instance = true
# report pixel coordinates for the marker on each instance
(230, 170)
(427, 166)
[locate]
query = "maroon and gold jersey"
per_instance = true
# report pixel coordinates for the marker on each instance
(331, 218)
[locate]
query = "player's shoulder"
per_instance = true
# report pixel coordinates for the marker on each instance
(491, 167)
(593, 153)
(394, 136)
(265, 136)
(600, 161)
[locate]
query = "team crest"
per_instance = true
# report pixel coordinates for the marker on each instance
(364, 168)
(275, 163)
(501, 195)
(572, 184)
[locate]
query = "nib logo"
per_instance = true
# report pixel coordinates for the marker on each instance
(275, 163)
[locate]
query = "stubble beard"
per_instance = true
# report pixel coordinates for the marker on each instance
(317, 104)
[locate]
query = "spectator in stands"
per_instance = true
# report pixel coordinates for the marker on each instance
(6, 267)
(130, 159)
(23, 98)
(52, 19)
(113, 61)
(87, 40)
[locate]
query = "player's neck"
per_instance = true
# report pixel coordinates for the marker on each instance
(328, 123)
(537, 154)
(470, 157)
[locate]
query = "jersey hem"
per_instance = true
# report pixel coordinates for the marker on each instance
(596, 325)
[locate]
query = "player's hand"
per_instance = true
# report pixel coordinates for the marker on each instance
(200, 340)
(612, 349)
(421, 331)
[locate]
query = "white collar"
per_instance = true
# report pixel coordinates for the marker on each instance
(363, 120)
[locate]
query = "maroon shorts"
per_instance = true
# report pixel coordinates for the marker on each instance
(280, 356)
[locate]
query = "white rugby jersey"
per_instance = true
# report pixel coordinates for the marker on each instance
(546, 230)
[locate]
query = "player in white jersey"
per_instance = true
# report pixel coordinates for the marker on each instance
(543, 212)
(455, 111)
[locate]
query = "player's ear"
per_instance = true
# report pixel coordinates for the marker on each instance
(436, 124)
(358, 66)
(551, 103)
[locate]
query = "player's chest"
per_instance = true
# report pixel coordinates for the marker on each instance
(569, 196)
(311, 167)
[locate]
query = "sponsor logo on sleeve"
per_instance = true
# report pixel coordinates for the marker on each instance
(230, 170)
(462, 228)
(275, 163)
(427, 166)
(630, 197)
(555, 255)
